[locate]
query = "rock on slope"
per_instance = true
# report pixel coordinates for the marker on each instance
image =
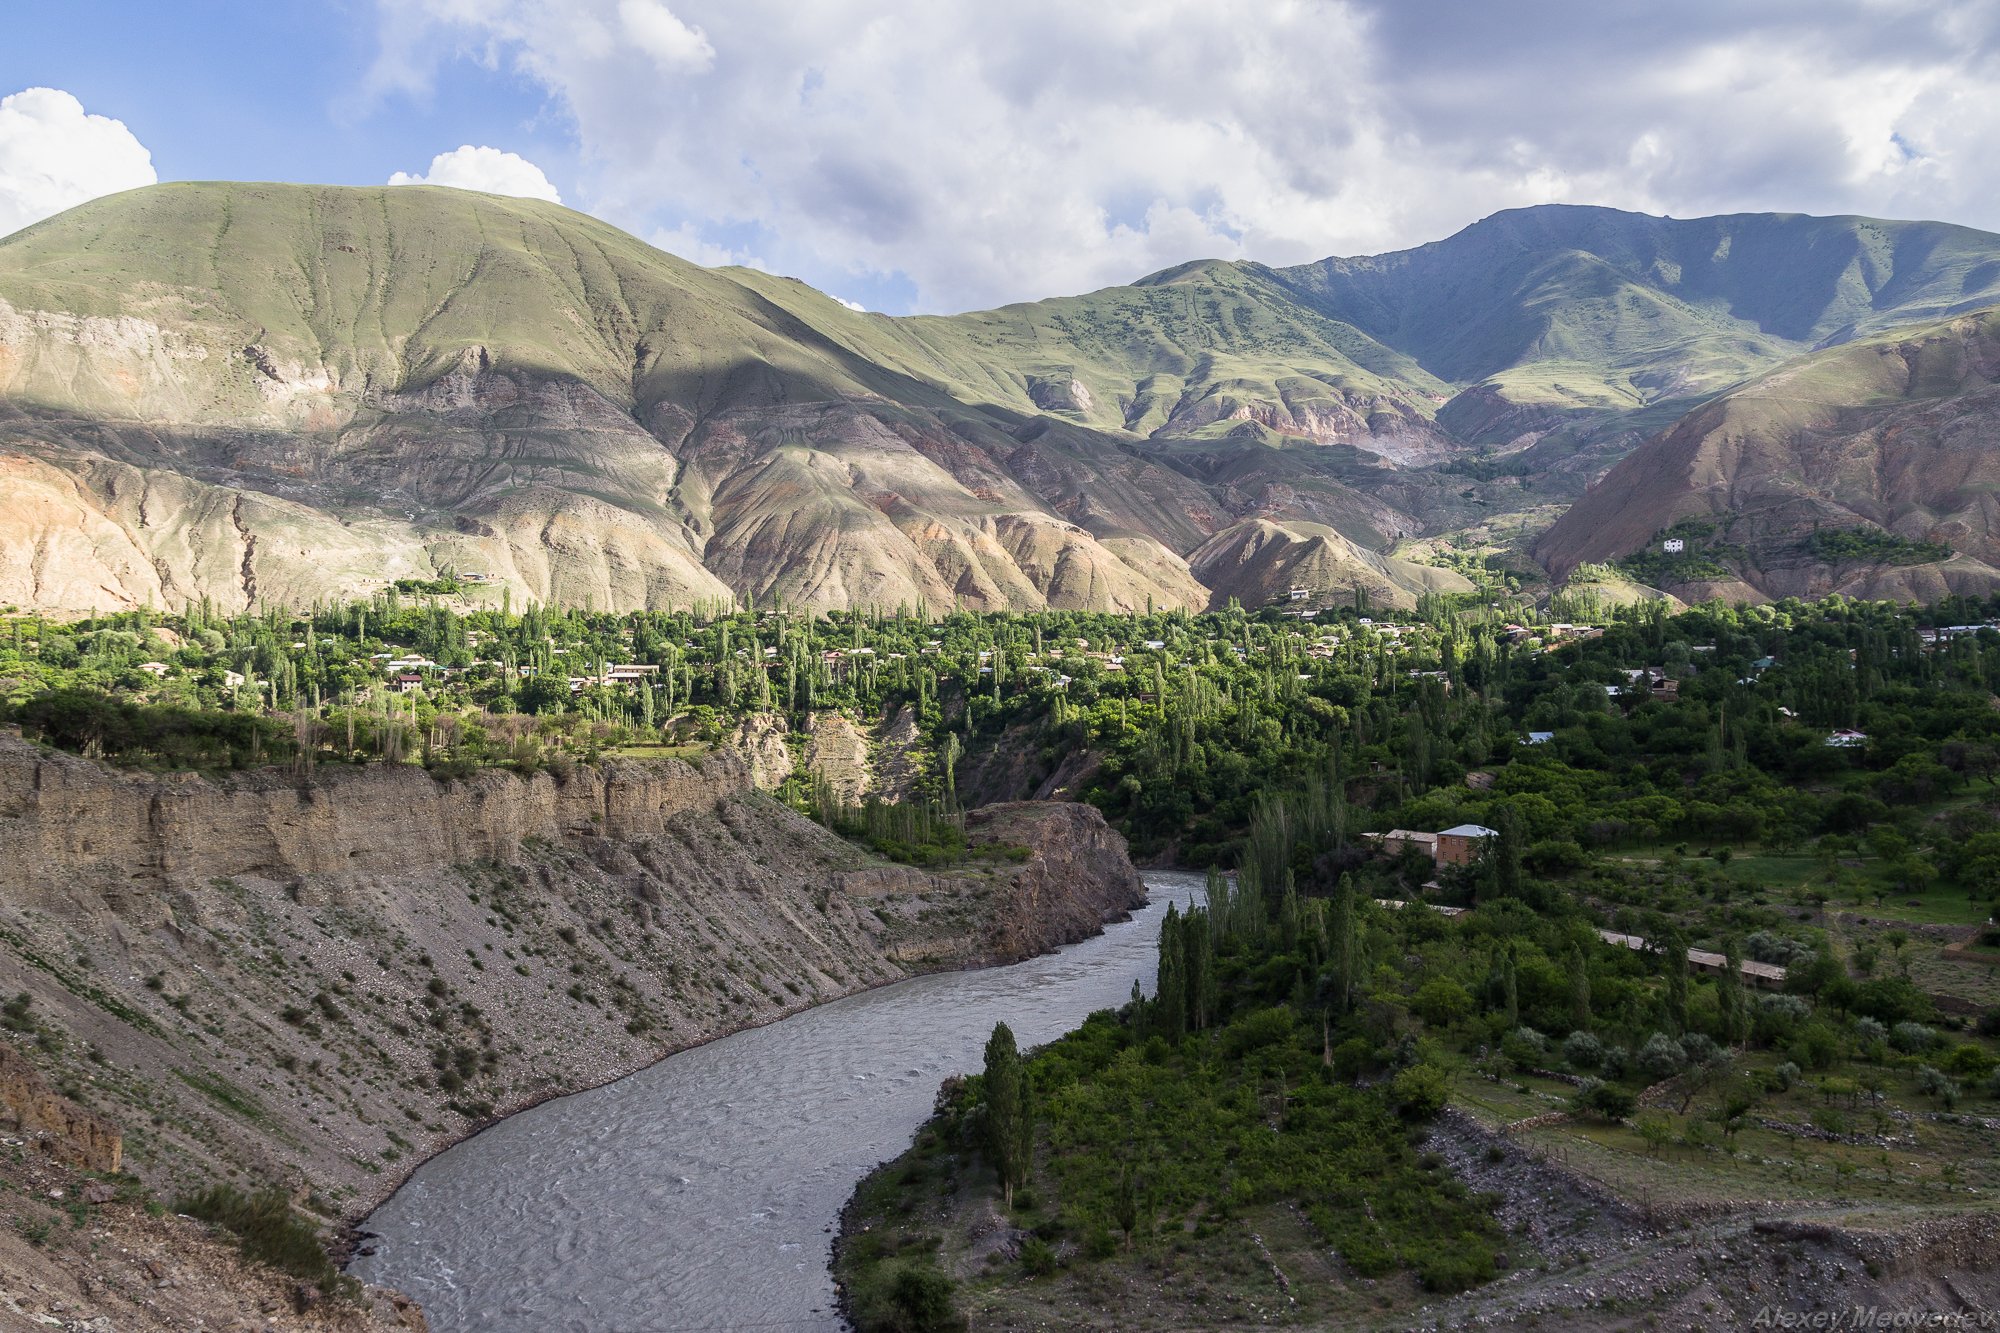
(1892, 434)
(319, 983)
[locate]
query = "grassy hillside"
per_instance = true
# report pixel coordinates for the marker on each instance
(1596, 308)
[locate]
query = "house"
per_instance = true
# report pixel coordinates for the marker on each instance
(1764, 976)
(1539, 738)
(1154, 645)
(1673, 546)
(1461, 846)
(1298, 594)
(409, 682)
(629, 672)
(1845, 739)
(1396, 840)
(1667, 691)
(155, 668)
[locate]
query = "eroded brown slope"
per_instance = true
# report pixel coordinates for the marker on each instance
(266, 394)
(1898, 433)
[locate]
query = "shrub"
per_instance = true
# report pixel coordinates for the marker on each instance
(1912, 1038)
(1582, 1050)
(1037, 1258)
(1524, 1046)
(1458, 1264)
(1556, 856)
(1933, 1082)
(1420, 1091)
(1867, 1031)
(1784, 1076)
(1605, 1100)
(915, 1297)
(1661, 1057)
(1779, 1016)
(1968, 1062)
(266, 1229)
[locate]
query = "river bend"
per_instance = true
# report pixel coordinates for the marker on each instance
(701, 1193)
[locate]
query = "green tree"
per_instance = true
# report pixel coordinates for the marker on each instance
(1010, 1116)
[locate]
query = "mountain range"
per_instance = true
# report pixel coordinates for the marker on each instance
(270, 394)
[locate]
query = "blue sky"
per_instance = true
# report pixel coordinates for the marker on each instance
(239, 90)
(955, 153)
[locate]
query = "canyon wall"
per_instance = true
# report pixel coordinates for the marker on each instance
(318, 981)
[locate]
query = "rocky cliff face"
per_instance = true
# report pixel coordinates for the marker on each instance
(318, 983)
(1075, 878)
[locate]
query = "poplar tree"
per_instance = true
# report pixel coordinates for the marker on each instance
(1735, 1012)
(1010, 1116)
(1170, 999)
(1579, 991)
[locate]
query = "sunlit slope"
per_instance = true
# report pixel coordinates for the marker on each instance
(209, 389)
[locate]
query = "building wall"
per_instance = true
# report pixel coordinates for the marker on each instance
(1457, 849)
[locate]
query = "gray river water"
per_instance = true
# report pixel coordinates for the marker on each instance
(702, 1193)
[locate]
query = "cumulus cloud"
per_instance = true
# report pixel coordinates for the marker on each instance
(978, 153)
(485, 169)
(55, 155)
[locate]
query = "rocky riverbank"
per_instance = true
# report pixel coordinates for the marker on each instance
(320, 982)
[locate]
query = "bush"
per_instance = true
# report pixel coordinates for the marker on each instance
(1457, 1265)
(1661, 1057)
(1912, 1038)
(1555, 856)
(1932, 1082)
(1420, 1091)
(1525, 1046)
(266, 1229)
(1037, 1258)
(1582, 1050)
(1784, 1077)
(1605, 1100)
(915, 1297)
(1779, 1016)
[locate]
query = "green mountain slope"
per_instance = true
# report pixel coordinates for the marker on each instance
(1581, 308)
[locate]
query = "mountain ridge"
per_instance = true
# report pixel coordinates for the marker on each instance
(282, 392)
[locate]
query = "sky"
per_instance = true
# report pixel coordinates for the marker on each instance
(943, 155)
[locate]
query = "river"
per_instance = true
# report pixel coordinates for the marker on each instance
(702, 1193)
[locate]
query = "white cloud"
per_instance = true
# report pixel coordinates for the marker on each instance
(988, 153)
(688, 242)
(485, 169)
(54, 155)
(851, 305)
(654, 29)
